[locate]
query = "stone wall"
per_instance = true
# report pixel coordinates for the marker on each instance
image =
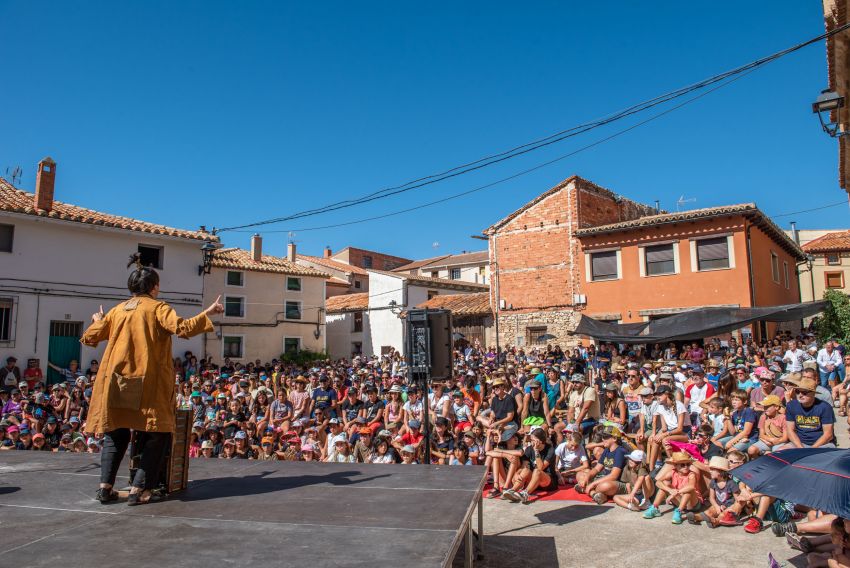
(557, 322)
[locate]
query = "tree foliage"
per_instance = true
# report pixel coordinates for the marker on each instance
(834, 322)
(304, 356)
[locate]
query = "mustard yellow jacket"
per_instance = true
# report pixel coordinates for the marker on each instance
(135, 383)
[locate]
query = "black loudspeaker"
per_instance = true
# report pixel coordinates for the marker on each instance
(429, 334)
(440, 323)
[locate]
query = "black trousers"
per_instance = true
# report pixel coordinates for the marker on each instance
(152, 452)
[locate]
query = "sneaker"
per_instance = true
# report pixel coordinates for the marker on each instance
(677, 517)
(694, 518)
(599, 498)
(523, 496)
(652, 512)
(754, 525)
(579, 489)
(511, 495)
(728, 519)
(780, 529)
(106, 495)
(801, 543)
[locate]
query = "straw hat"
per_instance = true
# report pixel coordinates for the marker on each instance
(718, 462)
(771, 400)
(680, 457)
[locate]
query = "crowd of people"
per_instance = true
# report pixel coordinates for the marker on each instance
(656, 430)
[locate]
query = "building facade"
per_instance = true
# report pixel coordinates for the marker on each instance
(836, 14)
(59, 263)
(535, 259)
(467, 267)
(344, 278)
(658, 265)
(369, 259)
(272, 305)
(827, 266)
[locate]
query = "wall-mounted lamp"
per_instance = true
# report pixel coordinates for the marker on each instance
(208, 251)
(827, 103)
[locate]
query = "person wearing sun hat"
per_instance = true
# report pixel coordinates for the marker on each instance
(810, 422)
(677, 486)
(772, 428)
(722, 492)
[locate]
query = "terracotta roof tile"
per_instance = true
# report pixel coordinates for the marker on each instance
(830, 242)
(347, 303)
(335, 264)
(461, 304)
(436, 282)
(14, 200)
(239, 259)
(334, 281)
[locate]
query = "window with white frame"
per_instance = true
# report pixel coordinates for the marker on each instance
(151, 256)
(233, 346)
(603, 266)
(774, 266)
(293, 284)
(7, 320)
(235, 278)
(292, 310)
(712, 253)
(455, 274)
(234, 306)
(832, 258)
(660, 259)
(291, 345)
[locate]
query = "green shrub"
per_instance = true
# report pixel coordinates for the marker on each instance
(834, 322)
(304, 356)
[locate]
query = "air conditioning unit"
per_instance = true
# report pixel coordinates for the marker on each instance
(579, 299)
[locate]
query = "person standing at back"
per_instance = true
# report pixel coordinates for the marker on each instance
(135, 382)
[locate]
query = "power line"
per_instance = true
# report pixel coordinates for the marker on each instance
(513, 176)
(542, 142)
(842, 202)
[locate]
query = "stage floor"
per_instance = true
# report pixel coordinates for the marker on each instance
(248, 512)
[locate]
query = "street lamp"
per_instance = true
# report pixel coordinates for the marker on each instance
(826, 103)
(208, 250)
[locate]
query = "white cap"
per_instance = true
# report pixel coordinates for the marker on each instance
(637, 456)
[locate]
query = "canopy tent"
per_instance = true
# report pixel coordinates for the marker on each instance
(693, 324)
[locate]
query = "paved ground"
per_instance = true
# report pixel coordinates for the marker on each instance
(563, 533)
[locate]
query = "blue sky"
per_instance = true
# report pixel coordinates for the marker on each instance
(224, 113)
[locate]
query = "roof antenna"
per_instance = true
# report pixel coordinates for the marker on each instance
(435, 245)
(682, 201)
(14, 175)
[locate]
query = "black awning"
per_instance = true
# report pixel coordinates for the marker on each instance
(693, 324)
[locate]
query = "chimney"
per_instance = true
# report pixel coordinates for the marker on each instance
(290, 252)
(795, 236)
(257, 247)
(328, 252)
(44, 181)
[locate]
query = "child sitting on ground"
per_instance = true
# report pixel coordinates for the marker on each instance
(638, 483)
(772, 432)
(571, 458)
(678, 487)
(722, 490)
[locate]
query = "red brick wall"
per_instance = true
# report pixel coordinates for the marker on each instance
(380, 261)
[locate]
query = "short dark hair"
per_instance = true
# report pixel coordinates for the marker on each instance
(143, 279)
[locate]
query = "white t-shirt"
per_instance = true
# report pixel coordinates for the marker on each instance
(436, 404)
(671, 416)
(795, 360)
(569, 459)
(414, 410)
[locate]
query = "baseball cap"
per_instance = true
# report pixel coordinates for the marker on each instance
(267, 440)
(22, 384)
(198, 424)
(408, 449)
(663, 389)
(74, 419)
(207, 445)
(195, 393)
(240, 435)
(771, 400)
(333, 421)
(636, 456)
(365, 431)
(415, 424)
(645, 391)
(307, 448)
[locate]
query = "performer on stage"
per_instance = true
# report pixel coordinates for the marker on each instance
(135, 383)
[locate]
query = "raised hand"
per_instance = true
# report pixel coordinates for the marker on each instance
(216, 307)
(97, 316)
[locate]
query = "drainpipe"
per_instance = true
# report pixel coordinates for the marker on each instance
(496, 283)
(747, 227)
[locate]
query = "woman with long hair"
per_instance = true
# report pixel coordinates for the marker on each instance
(135, 382)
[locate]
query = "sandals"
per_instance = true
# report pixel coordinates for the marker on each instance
(105, 495)
(801, 543)
(136, 498)
(493, 493)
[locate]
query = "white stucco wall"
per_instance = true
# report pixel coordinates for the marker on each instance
(385, 328)
(63, 271)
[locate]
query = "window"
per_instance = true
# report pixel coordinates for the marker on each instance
(151, 256)
(435, 274)
(367, 261)
(232, 346)
(358, 321)
(432, 293)
(536, 335)
(712, 253)
(293, 284)
(660, 260)
(603, 266)
(7, 321)
(292, 310)
(235, 278)
(834, 279)
(482, 274)
(454, 274)
(291, 345)
(234, 306)
(7, 234)
(832, 258)
(356, 348)
(357, 284)
(774, 267)
(787, 277)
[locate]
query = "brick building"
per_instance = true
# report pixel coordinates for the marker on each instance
(536, 259)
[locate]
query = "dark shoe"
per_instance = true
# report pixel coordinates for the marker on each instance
(106, 495)
(801, 543)
(136, 498)
(493, 493)
(780, 529)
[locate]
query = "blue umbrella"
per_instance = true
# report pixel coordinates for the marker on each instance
(815, 477)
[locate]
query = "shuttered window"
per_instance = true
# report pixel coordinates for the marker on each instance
(603, 265)
(712, 253)
(659, 260)
(834, 279)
